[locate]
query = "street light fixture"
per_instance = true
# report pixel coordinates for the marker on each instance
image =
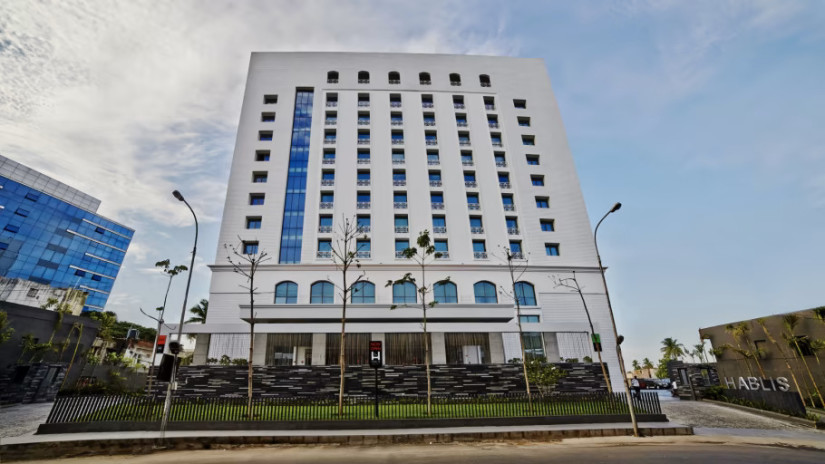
(615, 208)
(168, 404)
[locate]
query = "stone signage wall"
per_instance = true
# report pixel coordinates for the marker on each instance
(286, 381)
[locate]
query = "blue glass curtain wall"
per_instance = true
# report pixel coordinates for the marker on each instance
(296, 181)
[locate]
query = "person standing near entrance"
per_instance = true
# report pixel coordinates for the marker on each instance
(637, 387)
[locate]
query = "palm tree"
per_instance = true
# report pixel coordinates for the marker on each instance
(699, 349)
(734, 332)
(199, 311)
(770, 337)
(636, 366)
(672, 349)
(646, 364)
(790, 321)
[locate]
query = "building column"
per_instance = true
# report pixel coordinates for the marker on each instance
(496, 348)
(201, 352)
(259, 354)
(551, 347)
(438, 350)
(319, 349)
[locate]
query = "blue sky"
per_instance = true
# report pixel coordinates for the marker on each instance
(704, 118)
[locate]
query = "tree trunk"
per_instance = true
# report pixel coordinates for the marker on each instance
(756, 358)
(341, 357)
(251, 339)
(426, 339)
(816, 387)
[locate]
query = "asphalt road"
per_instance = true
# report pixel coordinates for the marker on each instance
(487, 453)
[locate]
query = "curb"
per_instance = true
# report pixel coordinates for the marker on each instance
(769, 414)
(134, 446)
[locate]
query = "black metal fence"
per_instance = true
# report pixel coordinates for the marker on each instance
(782, 402)
(76, 409)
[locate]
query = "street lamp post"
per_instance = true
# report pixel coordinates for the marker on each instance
(168, 403)
(613, 322)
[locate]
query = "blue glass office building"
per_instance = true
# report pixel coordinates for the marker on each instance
(50, 234)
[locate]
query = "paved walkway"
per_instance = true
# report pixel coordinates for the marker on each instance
(23, 419)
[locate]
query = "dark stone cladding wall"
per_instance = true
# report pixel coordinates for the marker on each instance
(31, 388)
(289, 381)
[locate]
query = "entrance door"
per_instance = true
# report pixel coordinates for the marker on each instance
(472, 354)
(304, 356)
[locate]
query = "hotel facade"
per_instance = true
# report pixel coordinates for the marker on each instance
(469, 148)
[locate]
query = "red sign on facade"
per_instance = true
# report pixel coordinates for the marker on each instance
(375, 346)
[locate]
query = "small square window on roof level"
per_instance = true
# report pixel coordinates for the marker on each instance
(520, 104)
(250, 248)
(270, 99)
(262, 155)
(551, 249)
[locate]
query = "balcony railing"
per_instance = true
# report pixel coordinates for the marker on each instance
(501, 164)
(480, 254)
(474, 206)
(395, 104)
(363, 161)
(398, 141)
(401, 230)
(461, 123)
(363, 182)
(425, 82)
(437, 205)
(363, 81)
(433, 162)
(328, 161)
(466, 162)
(330, 122)
(327, 182)
(455, 83)
(363, 141)
(498, 144)
(493, 125)
(443, 255)
(362, 254)
(363, 229)
(513, 230)
(363, 205)
(399, 254)
(364, 104)
(490, 107)
(509, 207)
(326, 205)
(432, 142)
(324, 254)
(363, 122)
(396, 122)
(329, 140)
(429, 123)
(324, 229)
(458, 106)
(476, 230)
(399, 183)
(470, 184)
(439, 230)
(435, 183)
(399, 205)
(464, 143)
(504, 185)
(332, 81)
(332, 104)
(517, 255)
(485, 84)
(398, 161)
(427, 104)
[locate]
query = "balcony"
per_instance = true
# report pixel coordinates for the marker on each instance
(395, 104)
(429, 123)
(363, 141)
(363, 161)
(427, 104)
(513, 230)
(329, 140)
(458, 106)
(332, 104)
(470, 184)
(433, 162)
(504, 185)
(443, 255)
(331, 122)
(509, 207)
(324, 229)
(432, 142)
(461, 123)
(435, 183)
(326, 205)
(474, 206)
(401, 230)
(327, 182)
(476, 230)
(363, 205)
(501, 164)
(363, 122)
(493, 125)
(399, 183)
(324, 254)
(364, 104)
(398, 161)
(399, 205)
(480, 255)
(398, 141)
(437, 205)
(498, 144)
(464, 143)
(363, 182)
(362, 254)
(332, 81)
(466, 162)
(397, 122)
(439, 230)
(328, 161)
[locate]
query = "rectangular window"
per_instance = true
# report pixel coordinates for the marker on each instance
(363, 175)
(533, 345)
(472, 198)
(256, 198)
(399, 175)
(363, 197)
(22, 212)
(32, 196)
(265, 135)
(500, 159)
(515, 247)
(262, 155)
(469, 176)
(542, 202)
(507, 199)
(267, 117)
(250, 248)
(80, 273)
(328, 175)
(292, 229)
(259, 177)
(439, 221)
(363, 155)
(479, 246)
(363, 118)
(432, 158)
(363, 222)
(327, 197)
(520, 104)
(530, 319)
(467, 158)
(537, 181)
(512, 223)
(437, 198)
(533, 160)
(547, 225)
(363, 246)
(461, 120)
(503, 178)
(253, 222)
(489, 103)
(551, 249)
(325, 245)
(100, 230)
(4, 246)
(475, 222)
(11, 228)
(270, 99)
(524, 121)
(435, 176)
(325, 221)
(528, 140)
(441, 246)
(399, 197)
(96, 277)
(401, 245)
(329, 156)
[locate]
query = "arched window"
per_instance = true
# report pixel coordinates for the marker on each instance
(394, 77)
(455, 79)
(363, 77)
(322, 293)
(484, 80)
(424, 78)
(445, 292)
(332, 77)
(286, 293)
(363, 292)
(404, 293)
(525, 294)
(485, 292)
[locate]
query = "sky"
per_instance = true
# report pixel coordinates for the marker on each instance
(704, 118)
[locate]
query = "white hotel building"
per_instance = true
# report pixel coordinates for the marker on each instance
(471, 148)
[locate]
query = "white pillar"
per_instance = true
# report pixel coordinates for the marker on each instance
(259, 352)
(551, 347)
(496, 349)
(201, 350)
(319, 349)
(438, 350)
